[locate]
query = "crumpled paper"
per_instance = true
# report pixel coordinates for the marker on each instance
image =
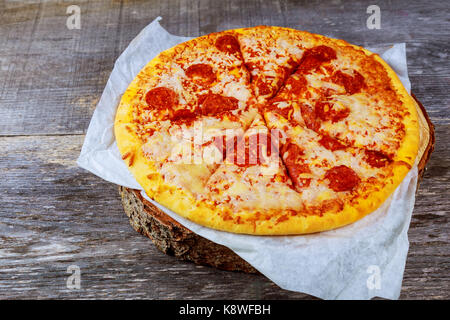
(359, 261)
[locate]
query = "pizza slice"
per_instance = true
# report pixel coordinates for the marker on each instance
(341, 99)
(271, 55)
(304, 83)
(252, 178)
(213, 64)
(187, 81)
(328, 174)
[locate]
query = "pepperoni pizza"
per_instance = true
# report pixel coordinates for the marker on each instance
(268, 131)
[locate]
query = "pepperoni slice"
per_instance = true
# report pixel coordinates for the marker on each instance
(342, 178)
(228, 44)
(251, 66)
(161, 98)
(293, 153)
(376, 159)
(295, 165)
(314, 57)
(352, 84)
(248, 151)
(301, 183)
(289, 68)
(297, 85)
(309, 117)
(201, 73)
(212, 104)
(295, 171)
(326, 111)
(284, 112)
(322, 53)
(183, 115)
(331, 143)
(300, 168)
(263, 87)
(274, 106)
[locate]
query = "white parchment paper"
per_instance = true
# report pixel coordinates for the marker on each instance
(359, 261)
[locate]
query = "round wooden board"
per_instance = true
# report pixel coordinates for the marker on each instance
(172, 238)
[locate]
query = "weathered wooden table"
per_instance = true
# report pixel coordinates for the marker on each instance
(54, 214)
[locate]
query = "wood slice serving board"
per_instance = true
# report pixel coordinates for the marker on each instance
(172, 238)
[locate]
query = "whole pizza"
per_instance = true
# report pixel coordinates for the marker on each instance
(268, 131)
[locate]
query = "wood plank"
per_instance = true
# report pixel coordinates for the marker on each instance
(55, 214)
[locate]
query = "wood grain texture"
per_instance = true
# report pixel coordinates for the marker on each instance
(53, 214)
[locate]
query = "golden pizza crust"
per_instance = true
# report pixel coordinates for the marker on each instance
(205, 213)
